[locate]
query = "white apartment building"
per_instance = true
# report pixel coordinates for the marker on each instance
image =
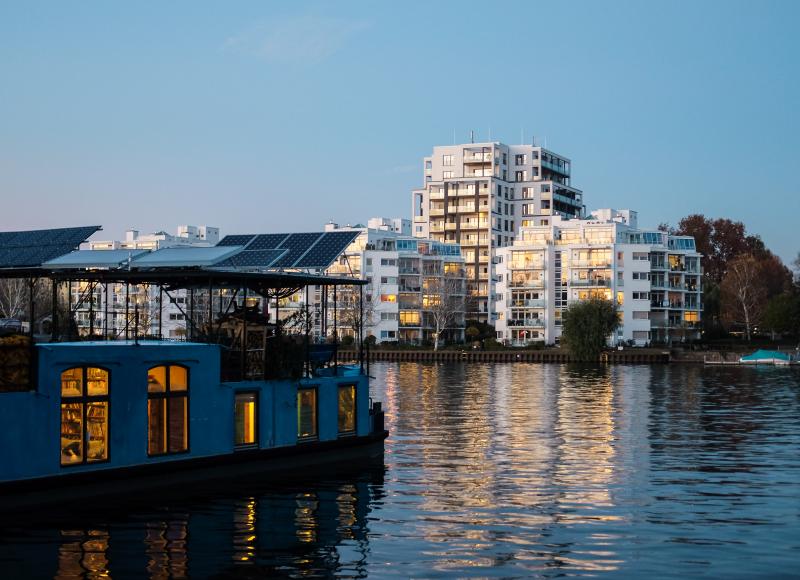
(404, 274)
(115, 306)
(653, 277)
(479, 195)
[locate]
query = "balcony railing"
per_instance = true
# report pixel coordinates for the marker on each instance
(604, 282)
(526, 322)
(526, 284)
(527, 303)
(605, 264)
(478, 157)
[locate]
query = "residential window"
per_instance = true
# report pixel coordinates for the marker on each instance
(167, 410)
(84, 415)
(519, 159)
(447, 160)
(447, 174)
(307, 413)
(245, 419)
(347, 409)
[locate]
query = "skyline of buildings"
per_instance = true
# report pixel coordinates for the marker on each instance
(507, 224)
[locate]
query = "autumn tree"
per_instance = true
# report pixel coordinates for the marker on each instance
(586, 326)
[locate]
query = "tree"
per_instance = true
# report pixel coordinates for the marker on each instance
(13, 297)
(782, 314)
(444, 301)
(586, 326)
(743, 293)
(354, 312)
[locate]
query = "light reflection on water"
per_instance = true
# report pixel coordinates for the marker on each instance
(509, 470)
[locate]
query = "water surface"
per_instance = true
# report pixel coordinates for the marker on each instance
(496, 470)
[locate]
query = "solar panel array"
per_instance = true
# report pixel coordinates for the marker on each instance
(33, 248)
(251, 259)
(236, 240)
(327, 249)
(314, 250)
(298, 245)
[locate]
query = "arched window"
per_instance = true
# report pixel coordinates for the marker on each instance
(167, 410)
(84, 415)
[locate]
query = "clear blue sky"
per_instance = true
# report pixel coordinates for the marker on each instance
(264, 116)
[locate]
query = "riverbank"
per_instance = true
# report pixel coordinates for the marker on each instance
(552, 355)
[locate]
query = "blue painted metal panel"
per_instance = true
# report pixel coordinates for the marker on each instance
(31, 439)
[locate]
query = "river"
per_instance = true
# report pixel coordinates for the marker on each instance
(495, 470)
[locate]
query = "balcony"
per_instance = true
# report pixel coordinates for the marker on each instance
(562, 168)
(403, 270)
(485, 157)
(406, 289)
(526, 322)
(527, 303)
(591, 282)
(526, 284)
(595, 264)
(437, 195)
(438, 211)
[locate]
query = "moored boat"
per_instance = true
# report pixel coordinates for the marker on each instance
(86, 417)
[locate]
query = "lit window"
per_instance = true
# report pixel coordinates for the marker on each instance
(307, 413)
(245, 417)
(347, 409)
(167, 410)
(84, 415)
(388, 298)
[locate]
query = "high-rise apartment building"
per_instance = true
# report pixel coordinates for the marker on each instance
(480, 194)
(654, 279)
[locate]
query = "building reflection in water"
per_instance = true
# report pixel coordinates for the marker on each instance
(504, 459)
(83, 554)
(297, 529)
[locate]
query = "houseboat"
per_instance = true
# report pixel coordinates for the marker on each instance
(86, 416)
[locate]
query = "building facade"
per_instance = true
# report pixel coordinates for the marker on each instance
(117, 310)
(407, 277)
(653, 278)
(479, 195)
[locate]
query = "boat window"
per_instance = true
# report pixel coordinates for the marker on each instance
(167, 410)
(84, 415)
(307, 413)
(245, 417)
(347, 409)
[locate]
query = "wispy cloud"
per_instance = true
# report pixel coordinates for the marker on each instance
(304, 39)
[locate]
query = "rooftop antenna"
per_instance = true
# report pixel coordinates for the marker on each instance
(472, 136)
(533, 140)
(521, 135)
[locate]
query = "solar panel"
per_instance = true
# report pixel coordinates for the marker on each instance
(236, 240)
(33, 248)
(268, 241)
(252, 259)
(297, 244)
(327, 249)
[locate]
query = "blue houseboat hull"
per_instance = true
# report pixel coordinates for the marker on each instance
(120, 418)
